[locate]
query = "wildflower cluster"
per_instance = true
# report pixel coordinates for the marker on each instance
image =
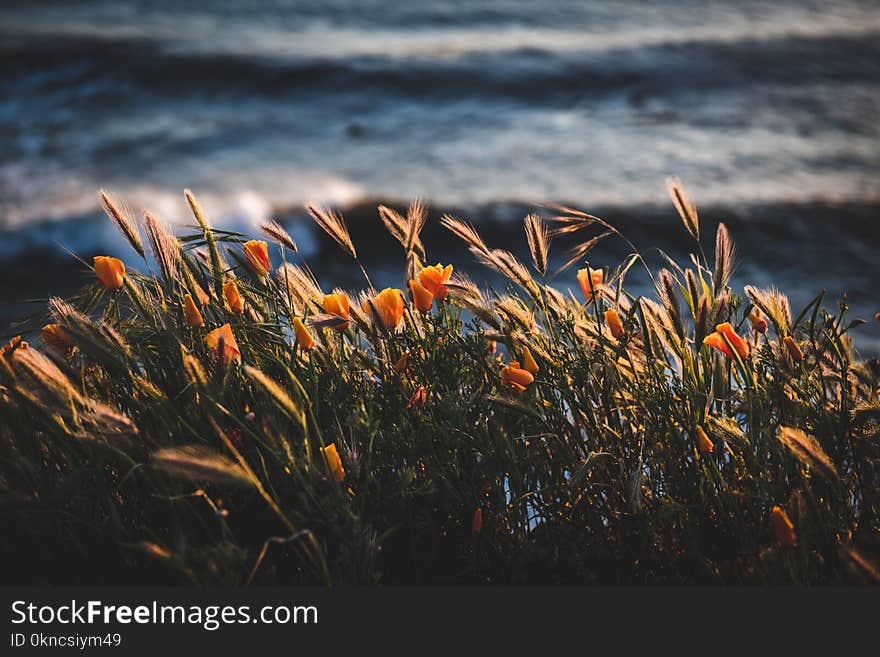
(226, 419)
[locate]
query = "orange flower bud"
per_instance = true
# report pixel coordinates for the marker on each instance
(201, 295)
(400, 365)
(257, 253)
(422, 297)
(477, 520)
(759, 324)
(233, 298)
(57, 337)
(337, 305)
(491, 346)
(222, 342)
(15, 344)
(303, 337)
(794, 350)
(516, 378)
(585, 276)
(434, 280)
(389, 304)
(110, 272)
(704, 444)
(191, 313)
(332, 462)
(419, 398)
(614, 323)
(782, 527)
(529, 363)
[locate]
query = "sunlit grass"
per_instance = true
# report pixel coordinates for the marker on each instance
(217, 417)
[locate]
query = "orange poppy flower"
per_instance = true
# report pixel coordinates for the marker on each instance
(740, 345)
(725, 330)
(233, 298)
(15, 344)
(704, 444)
(516, 378)
(191, 313)
(337, 305)
(223, 338)
(585, 276)
(434, 280)
(57, 337)
(419, 398)
(332, 462)
(783, 528)
(716, 341)
(614, 323)
(529, 364)
(389, 304)
(201, 295)
(303, 336)
(422, 297)
(401, 363)
(110, 272)
(794, 350)
(257, 253)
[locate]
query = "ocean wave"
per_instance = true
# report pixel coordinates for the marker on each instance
(329, 35)
(533, 69)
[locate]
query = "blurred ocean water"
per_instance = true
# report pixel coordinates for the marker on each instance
(264, 105)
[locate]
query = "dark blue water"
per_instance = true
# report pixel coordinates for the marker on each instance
(264, 105)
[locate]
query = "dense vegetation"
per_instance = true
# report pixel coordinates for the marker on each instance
(226, 420)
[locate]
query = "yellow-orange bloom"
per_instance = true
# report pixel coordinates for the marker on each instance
(233, 298)
(585, 276)
(434, 280)
(15, 344)
(704, 444)
(759, 324)
(401, 363)
(201, 295)
(725, 330)
(740, 345)
(423, 299)
(716, 341)
(257, 253)
(477, 520)
(516, 378)
(794, 350)
(389, 305)
(491, 346)
(57, 337)
(614, 323)
(303, 336)
(529, 364)
(110, 272)
(191, 312)
(332, 462)
(783, 528)
(222, 342)
(419, 398)
(337, 305)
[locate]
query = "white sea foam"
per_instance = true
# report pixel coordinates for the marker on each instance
(605, 28)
